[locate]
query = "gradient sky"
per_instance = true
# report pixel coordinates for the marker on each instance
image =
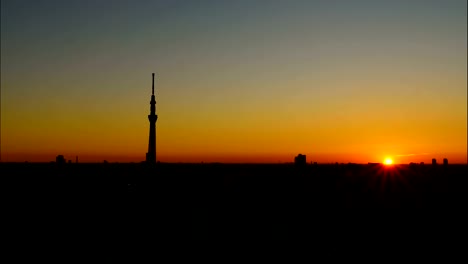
(236, 81)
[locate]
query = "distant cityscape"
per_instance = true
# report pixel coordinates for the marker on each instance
(299, 160)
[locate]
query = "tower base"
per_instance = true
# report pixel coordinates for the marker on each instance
(150, 158)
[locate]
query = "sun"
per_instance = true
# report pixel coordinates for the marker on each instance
(388, 161)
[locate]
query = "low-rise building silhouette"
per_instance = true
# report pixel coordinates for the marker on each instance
(60, 159)
(434, 162)
(300, 160)
(445, 162)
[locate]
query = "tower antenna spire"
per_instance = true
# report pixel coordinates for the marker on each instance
(153, 84)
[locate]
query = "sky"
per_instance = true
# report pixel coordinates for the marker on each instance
(236, 81)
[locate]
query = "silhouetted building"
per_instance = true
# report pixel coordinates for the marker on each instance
(60, 159)
(422, 163)
(434, 162)
(445, 162)
(300, 160)
(152, 117)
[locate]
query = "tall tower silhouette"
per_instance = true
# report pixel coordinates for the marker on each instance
(152, 117)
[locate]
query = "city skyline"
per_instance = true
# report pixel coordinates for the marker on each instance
(236, 82)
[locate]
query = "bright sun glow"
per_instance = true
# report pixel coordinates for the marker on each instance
(388, 161)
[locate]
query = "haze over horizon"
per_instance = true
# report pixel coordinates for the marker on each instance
(236, 81)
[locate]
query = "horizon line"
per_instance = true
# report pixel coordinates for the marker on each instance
(233, 163)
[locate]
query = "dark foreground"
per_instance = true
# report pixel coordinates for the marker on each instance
(325, 210)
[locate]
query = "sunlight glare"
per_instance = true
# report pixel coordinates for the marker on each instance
(388, 161)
